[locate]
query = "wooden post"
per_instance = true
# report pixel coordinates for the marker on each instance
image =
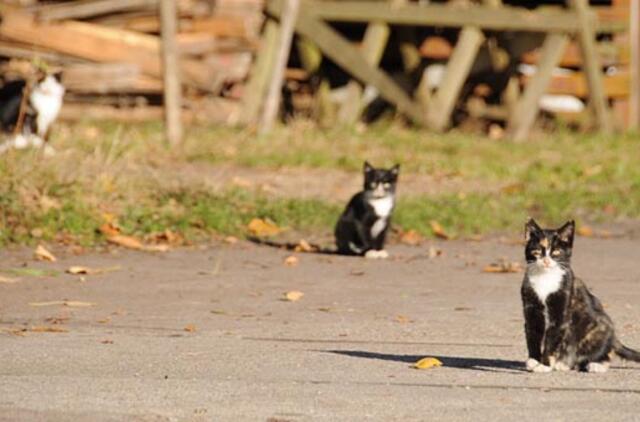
(591, 63)
(634, 41)
(272, 101)
(171, 72)
(526, 109)
(458, 68)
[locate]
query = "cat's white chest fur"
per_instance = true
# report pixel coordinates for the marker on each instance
(382, 207)
(545, 281)
(46, 98)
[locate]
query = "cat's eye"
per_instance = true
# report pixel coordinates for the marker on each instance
(536, 252)
(372, 185)
(386, 185)
(555, 252)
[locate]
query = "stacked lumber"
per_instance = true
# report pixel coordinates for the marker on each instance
(109, 51)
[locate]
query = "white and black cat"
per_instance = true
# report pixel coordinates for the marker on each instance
(362, 227)
(565, 324)
(39, 110)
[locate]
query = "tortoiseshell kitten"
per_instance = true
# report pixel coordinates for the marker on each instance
(362, 227)
(565, 325)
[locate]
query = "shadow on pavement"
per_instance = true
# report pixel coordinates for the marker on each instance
(478, 364)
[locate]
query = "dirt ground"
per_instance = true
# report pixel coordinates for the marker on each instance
(202, 334)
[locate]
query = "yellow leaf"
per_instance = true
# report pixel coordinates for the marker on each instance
(43, 254)
(427, 363)
(261, 227)
(411, 237)
(304, 246)
(438, 230)
(291, 261)
(503, 267)
(163, 247)
(585, 231)
(190, 328)
(125, 241)
(293, 296)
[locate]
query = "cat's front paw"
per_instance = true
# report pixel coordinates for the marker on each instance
(598, 367)
(561, 366)
(533, 365)
(374, 254)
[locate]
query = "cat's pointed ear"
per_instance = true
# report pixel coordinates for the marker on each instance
(395, 170)
(530, 229)
(567, 232)
(367, 167)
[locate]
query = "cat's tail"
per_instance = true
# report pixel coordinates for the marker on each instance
(302, 246)
(625, 352)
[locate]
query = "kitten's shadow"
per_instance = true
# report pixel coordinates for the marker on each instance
(477, 364)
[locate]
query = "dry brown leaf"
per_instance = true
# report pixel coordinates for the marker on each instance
(77, 269)
(43, 254)
(104, 320)
(125, 241)
(69, 303)
(190, 328)
(513, 188)
(8, 280)
(109, 229)
(403, 319)
(47, 329)
(411, 237)
(503, 267)
(438, 230)
(107, 341)
(427, 363)
(163, 247)
(304, 246)
(291, 261)
(261, 227)
(231, 240)
(433, 252)
(293, 296)
(585, 231)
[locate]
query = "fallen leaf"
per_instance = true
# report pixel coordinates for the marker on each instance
(427, 363)
(503, 266)
(262, 227)
(79, 269)
(104, 320)
(8, 280)
(190, 328)
(438, 230)
(125, 241)
(291, 261)
(163, 247)
(585, 231)
(109, 229)
(293, 296)
(48, 329)
(231, 240)
(411, 237)
(107, 342)
(324, 309)
(43, 254)
(304, 246)
(512, 188)
(69, 303)
(57, 320)
(433, 252)
(403, 319)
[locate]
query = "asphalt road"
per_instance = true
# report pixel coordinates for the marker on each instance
(202, 334)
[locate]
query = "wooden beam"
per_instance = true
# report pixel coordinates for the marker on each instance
(87, 9)
(526, 109)
(457, 71)
(591, 65)
(256, 88)
(634, 40)
(274, 94)
(447, 15)
(334, 46)
(171, 72)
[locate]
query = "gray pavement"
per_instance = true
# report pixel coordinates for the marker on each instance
(201, 334)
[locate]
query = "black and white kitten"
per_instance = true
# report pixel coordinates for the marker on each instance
(362, 227)
(41, 109)
(565, 325)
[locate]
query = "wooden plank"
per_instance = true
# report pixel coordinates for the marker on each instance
(447, 15)
(634, 41)
(351, 59)
(171, 72)
(456, 73)
(89, 8)
(253, 99)
(616, 86)
(100, 44)
(592, 67)
(526, 109)
(288, 18)
(108, 78)
(373, 44)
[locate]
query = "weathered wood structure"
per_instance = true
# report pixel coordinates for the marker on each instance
(491, 40)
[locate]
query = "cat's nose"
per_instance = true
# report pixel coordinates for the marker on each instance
(546, 261)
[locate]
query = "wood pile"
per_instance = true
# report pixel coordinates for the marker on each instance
(109, 52)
